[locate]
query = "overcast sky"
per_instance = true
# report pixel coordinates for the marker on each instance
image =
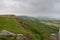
(49, 8)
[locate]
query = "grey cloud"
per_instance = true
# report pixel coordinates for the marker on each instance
(32, 7)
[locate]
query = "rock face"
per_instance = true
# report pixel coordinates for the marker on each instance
(11, 35)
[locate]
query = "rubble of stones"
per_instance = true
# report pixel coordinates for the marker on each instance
(11, 35)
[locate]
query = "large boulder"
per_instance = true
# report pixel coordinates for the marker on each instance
(4, 32)
(7, 34)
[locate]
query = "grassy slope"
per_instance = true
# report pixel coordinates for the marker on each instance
(35, 28)
(10, 24)
(40, 30)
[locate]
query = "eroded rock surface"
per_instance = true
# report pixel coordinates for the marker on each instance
(11, 35)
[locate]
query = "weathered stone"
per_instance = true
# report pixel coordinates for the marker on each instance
(7, 34)
(4, 32)
(20, 36)
(11, 35)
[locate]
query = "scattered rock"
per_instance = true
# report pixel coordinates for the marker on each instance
(11, 35)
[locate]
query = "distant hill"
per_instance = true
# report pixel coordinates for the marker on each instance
(56, 20)
(32, 28)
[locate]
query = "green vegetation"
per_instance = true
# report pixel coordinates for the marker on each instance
(40, 29)
(10, 24)
(32, 28)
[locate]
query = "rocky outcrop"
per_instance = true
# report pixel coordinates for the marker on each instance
(6, 33)
(11, 35)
